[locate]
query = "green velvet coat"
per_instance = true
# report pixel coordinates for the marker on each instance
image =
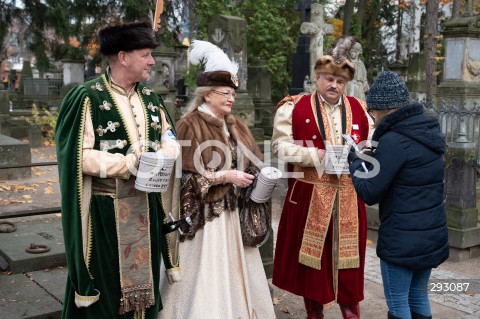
(93, 263)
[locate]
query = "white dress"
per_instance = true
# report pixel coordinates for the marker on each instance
(221, 279)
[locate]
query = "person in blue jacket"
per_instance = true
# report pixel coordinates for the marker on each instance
(405, 177)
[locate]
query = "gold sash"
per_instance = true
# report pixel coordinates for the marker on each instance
(330, 195)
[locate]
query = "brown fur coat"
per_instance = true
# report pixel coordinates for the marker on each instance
(199, 127)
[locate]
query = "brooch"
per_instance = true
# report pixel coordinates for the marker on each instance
(106, 146)
(146, 91)
(152, 107)
(105, 106)
(97, 86)
(155, 125)
(111, 126)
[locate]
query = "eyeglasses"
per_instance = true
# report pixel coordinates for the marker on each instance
(370, 113)
(225, 94)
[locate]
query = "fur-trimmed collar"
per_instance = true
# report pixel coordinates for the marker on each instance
(229, 119)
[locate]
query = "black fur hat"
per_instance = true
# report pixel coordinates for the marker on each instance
(126, 37)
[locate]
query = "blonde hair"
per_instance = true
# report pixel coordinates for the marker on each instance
(199, 98)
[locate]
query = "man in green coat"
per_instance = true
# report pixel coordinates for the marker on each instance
(112, 231)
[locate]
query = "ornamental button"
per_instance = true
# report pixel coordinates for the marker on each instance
(307, 120)
(314, 137)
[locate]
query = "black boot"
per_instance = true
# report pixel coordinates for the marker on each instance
(390, 316)
(417, 316)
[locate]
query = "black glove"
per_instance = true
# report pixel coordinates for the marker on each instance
(352, 155)
(368, 151)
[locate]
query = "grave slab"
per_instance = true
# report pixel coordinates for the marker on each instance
(44, 231)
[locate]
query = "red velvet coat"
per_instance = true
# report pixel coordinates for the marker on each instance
(288, 273)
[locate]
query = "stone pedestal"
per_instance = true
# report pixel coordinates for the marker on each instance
(259, 86)
(416, 78)
(460, 201)
(244, 108)
(400, 68)
(73, 72)
(461, 68)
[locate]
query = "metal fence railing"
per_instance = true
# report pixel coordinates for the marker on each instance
(42, 87)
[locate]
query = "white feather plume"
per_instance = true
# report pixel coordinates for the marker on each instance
(212, 56)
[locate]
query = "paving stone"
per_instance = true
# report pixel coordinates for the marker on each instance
(22, 298)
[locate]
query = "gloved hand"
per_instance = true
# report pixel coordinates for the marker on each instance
(368, 151)
(352, 155)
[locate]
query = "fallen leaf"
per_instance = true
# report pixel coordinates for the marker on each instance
(469, 293)
(13, 201)
(369, 242)
(39, 173)
(16, 187)
(27, 196)
(48, 190)
(285, 309)
(328, 306)
(276, 300)
(4, 188)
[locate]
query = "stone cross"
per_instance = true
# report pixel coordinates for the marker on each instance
(316, 28)
(304, 6)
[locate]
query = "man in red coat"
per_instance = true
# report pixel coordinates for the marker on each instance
(321, 240)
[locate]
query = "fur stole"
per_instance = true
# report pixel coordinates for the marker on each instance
(201, 129)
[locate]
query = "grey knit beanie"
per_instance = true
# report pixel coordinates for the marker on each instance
(388, 91)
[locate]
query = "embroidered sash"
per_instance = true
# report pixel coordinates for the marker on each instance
(330, 194)
(133, 234)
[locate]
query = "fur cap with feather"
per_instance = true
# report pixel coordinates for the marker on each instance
(219, 70)
(337, 63)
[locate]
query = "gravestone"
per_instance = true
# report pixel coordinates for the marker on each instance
(162, 79)
(259, 87)
(230, 34)
(26, 73)
(316, 29)
(461, 68)
(13, 153)
(73, 71)
(416, 77)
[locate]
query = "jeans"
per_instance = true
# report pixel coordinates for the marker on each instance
(406, 290)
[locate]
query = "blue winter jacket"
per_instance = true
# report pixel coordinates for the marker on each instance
(407, 182)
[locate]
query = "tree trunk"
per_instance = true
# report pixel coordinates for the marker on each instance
(362, 6)
(347, 15)
(431, 49)
(399, 31)
(455, 9)
(415, 26)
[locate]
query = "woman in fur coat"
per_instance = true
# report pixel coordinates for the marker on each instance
(221, 278)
